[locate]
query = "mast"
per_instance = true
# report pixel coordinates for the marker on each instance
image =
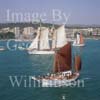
(63, 59)
(77, 63)
(39, 35)
(53, 31)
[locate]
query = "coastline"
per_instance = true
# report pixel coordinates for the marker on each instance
(28, 40)
(19, 40)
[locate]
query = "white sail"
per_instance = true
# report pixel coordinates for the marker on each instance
(60, 37)
(44, 39)
(78, 39)
(34, 44)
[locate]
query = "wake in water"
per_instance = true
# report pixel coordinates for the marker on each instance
(87, 78)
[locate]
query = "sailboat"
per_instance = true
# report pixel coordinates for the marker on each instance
(62, 70)
(79, 40)
(41, 44)
(2, 48)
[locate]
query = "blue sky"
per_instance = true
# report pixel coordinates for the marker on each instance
(81, 11)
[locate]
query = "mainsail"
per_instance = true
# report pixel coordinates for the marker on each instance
(44, 39)
(77, 63)
(60, 37)
(63, 59)
(78, 39)
(34, 44)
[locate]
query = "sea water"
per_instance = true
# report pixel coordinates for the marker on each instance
(21, 64)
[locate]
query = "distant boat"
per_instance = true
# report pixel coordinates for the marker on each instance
(95, 38)
(21, 48)
(62, 70)
(41, 44)
(79, 40)
(2, 49)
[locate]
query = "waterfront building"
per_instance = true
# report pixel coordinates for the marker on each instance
(27, 32)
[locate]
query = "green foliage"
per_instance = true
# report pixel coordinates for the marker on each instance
(8, 35)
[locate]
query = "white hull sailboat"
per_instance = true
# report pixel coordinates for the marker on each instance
(2, 48)
(41, 52)
(62, 71)
(41, 44)
(79, 40)
(21, 48)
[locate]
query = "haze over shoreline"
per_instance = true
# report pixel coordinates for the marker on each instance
(81, 11)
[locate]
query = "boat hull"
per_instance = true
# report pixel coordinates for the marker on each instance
(79, 45)
(41, 52)
(57, 82)
(2, 49)
(21, 48)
